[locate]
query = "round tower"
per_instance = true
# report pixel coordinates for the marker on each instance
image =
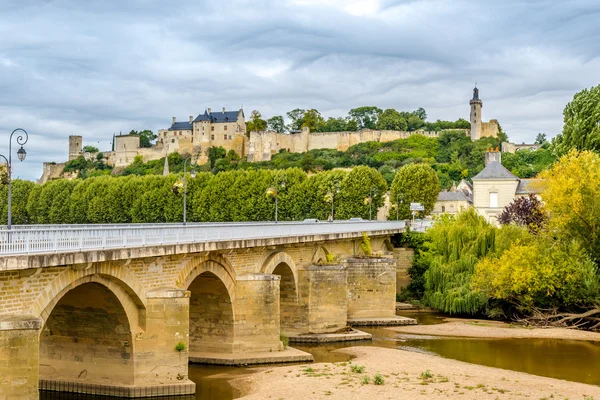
(476, 105)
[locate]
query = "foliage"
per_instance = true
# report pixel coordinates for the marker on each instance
(90, 149)
(581, 129)
(357, 369)
(284, 340)
(215, 153)
(276, 124)
(524, 211)
(180, 346)
(297, 119)
(571, 192)
(256, 123)
(414, 183)
(312, 119)
(415, 241)
(540, 138)
(528, 163)
(537, 272)
(4, 178)
(365, 117)
(454, 245)
(391, 119)
(365, 245)
(20, 193)
(378, 379)
(147, 137)
(361, 193)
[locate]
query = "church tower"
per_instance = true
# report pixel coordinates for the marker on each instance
(476, 105)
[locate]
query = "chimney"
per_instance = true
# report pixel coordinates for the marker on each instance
(223, 110)
(493, 155)
(173, 121)
(209, 110)
(191, 118)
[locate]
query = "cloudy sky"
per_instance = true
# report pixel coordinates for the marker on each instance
(98, 67)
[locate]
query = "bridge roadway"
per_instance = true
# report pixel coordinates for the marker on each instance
(121, 309)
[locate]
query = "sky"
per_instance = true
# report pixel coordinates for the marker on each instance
(99, 67)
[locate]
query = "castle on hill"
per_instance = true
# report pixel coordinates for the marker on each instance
(227, 129)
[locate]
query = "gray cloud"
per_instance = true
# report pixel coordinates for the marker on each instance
(100, 67)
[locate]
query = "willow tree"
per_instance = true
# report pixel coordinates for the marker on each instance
(455, 244)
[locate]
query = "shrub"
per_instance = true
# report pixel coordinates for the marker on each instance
(378, 379)
(358, 369)
(365, 244)
(180, 346)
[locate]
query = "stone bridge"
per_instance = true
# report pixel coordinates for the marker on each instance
(121, 310)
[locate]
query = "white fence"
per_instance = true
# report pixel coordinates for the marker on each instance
(62, 239)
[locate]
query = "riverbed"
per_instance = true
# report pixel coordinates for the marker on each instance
(571, 360)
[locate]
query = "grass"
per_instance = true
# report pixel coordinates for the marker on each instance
(309, 370)
(358, 369)
(378, 379)
(285, 340)
(426, 375)
(365, 380)
(180, 346)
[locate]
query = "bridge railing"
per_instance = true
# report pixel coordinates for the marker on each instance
(57, 239)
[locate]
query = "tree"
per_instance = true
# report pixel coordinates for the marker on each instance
(571, 193)
(90, 149)
(256, 123)
(524, 211)
(333, 125)
(362, 190)
(297, 119)
(276, 124)
(414, 123)
(391, 119)
(215, 153)
(313, 120)
(540, 138)
(414, 183)
(581, 129)
(365, 117)
(421, 113)
(146, 137)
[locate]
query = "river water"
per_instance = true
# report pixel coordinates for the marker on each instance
(571, 360)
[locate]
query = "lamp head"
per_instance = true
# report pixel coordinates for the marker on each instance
(21, 153)
(193, 173)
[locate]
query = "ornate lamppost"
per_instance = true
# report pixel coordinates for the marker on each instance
(274, 191)
(335, 189)
(193, 175)
(21, 154)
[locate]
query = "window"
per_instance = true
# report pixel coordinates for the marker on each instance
(443, 208)
(225, 127)
(212, 128)
(224, 137)
(493, 199)
(229, 137)
(212, 137)
(451, 208)
(172, 140)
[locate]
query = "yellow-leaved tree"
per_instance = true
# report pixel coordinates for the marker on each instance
(571, 193)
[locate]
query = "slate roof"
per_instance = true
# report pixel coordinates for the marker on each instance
(181, 126)
(525, 186)
(218, 116)
(452, 196)
(494, 170)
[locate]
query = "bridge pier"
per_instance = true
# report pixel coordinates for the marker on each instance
(19, 357)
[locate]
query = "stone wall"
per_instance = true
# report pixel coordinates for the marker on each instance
(404, 259)
(371, 287)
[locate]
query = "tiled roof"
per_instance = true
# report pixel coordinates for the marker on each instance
(181, 126)
(525, 186)
(494, 170)
(452, 196)
(218, 117)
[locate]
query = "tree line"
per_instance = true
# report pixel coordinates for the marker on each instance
(242, 195)
(366, 117)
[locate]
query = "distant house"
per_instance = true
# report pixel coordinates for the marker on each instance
(492, 190)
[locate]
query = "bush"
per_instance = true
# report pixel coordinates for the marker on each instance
(378, 379)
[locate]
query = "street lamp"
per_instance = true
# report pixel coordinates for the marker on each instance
(274, 190)
(335, 188)
(372, 192)
(193, 175)
(399, 199)
(21, 154)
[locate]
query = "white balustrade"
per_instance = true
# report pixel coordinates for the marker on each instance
(38, 239)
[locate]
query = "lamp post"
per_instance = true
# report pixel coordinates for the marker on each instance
(277, 196)
(372, 193)
(193, 175)
(335, 188)
(21, 153)
(399, 199)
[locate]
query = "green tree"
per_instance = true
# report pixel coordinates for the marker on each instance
(581, 129)
(21, 190)
(276, 124)
(313, 120)
(540, 138)
(421, 113)
(333, 125)
(146, 137)
(391, 119)
(256, 123)
(90, 149)
(414, 183)
(414, 123)
(366, 117)
(363, 189)
(215, 153)
(296, 117)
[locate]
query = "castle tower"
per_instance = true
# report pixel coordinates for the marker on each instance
(476, 105)
(75, 147)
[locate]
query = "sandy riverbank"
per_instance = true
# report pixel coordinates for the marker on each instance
(470, 328)
(405, 377)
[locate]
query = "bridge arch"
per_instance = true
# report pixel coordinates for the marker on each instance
(282, 264)
(211, 282)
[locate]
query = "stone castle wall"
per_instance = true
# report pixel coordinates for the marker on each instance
(264, 144)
